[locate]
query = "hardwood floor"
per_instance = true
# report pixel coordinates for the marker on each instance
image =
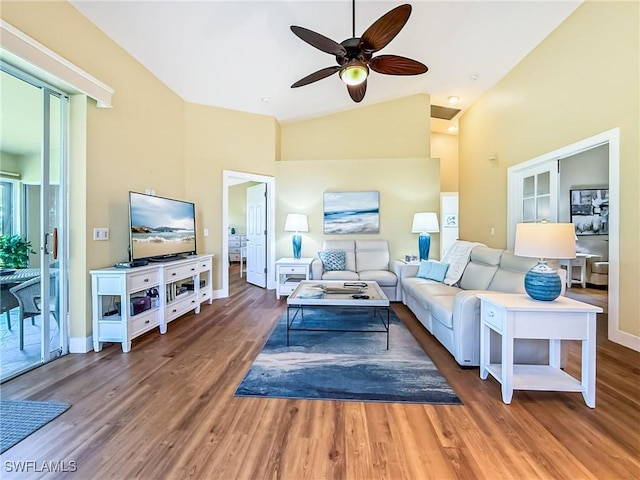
(167, 410)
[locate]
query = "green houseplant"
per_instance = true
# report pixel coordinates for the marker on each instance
(14, 251)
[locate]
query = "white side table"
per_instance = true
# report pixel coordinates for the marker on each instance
(289, 272)
(519, 316)
(580, 262)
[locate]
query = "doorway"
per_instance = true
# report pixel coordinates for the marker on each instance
(33, 148)
(229, 179)
(517, 173)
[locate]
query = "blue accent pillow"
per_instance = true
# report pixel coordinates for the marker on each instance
(333, 259)
(432, 270)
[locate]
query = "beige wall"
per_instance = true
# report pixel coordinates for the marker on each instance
(218, 139)
(581, 81)
(238, 207)
(237, 210)
(445, 147)
(137, 144)
(406, 186)
(394, 129)
(383, 147)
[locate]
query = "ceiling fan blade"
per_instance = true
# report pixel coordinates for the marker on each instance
(383, 30)
(396, 65)
(319, 41)
(315, 76)
(356, 92)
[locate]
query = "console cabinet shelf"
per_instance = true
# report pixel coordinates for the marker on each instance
(130, 302)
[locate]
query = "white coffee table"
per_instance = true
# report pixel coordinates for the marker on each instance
(336, 293)
(519, 316)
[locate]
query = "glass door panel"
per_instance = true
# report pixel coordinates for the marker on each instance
(32, 145)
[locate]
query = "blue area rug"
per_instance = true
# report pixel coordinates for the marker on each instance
(20, 418)
(346, 366)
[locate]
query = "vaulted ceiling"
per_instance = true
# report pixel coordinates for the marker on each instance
(242, 54)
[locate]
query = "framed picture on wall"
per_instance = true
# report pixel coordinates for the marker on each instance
(590, 210)
(351, 212)
(450, 220)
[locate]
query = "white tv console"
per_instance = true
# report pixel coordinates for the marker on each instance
(182, 286)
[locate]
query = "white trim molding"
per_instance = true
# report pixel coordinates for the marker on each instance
(230, 178)
(612, 138)
(20, 47)
(81, 344)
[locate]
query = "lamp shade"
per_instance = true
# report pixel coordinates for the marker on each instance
(296, 222)
(425, 222)
(541, 241)
(545, 240)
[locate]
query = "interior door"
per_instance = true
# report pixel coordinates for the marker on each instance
(534, 196)
(257, 235)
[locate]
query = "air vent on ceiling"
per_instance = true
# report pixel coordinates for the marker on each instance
(444, 113)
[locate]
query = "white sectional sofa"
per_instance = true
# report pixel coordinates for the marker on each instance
(366, 260)
(451, 313)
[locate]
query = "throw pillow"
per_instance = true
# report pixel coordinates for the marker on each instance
(333, 259)
(432, 270)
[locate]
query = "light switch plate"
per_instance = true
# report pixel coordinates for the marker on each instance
(101, 233)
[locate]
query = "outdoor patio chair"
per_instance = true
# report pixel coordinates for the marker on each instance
(29, 301)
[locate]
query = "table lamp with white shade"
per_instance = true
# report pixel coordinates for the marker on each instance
(544, 240)
(296, 222)
(424, 223)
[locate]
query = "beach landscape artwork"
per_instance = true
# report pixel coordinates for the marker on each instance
(351, 212)
(161, 227)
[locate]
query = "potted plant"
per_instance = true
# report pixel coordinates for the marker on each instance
(14, 251)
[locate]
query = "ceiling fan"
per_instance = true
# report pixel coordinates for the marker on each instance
(355, 55)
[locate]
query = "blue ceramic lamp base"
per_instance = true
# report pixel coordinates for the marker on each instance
(543, 283)
(424, 242)
(296, 240)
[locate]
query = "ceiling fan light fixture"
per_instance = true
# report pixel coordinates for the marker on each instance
(354, 73)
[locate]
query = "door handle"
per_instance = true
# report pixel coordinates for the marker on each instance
(55, 243)
(54, 236)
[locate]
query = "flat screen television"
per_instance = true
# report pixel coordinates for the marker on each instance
(160, 228)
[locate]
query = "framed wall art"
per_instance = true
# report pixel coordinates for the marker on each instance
(351, 212)
(590, 210)
(450, 220)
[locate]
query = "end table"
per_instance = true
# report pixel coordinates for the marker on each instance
(519, 316)
(289, 272)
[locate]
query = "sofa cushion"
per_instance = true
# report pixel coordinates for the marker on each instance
(422, 289)
(333, 259)
(441, 308)
(384, 278)
(482, 267)
(372, 255)
(432, 270)
(340, 275)
(509, 277)
(349, 248)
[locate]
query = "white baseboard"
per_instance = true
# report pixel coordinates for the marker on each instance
(220, 293)
(625, 339)
(80, 344)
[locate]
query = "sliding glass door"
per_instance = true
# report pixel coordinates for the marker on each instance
(33, 148)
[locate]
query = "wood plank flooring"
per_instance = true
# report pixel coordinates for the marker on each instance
(166, 410)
